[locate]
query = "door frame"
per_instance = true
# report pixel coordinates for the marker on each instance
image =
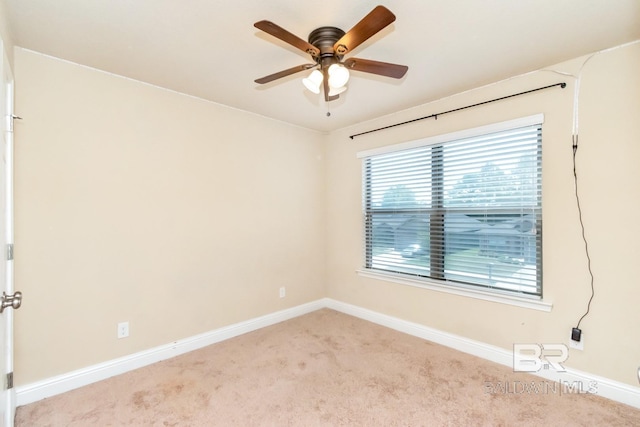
(9, 404)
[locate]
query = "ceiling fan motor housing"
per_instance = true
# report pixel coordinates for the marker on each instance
(324, 38)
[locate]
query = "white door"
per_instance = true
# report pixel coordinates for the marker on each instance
(7, 398)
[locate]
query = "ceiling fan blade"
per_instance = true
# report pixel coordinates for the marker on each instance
(284, 73)
(326, 88)
(376, 67)
(284, 35)
(375, 21)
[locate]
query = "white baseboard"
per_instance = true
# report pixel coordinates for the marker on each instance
(29, 393)
(33, 392)
(583, 381)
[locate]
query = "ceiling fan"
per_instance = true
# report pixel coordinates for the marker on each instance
(328, 46)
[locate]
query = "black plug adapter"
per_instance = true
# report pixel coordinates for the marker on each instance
(576, 334)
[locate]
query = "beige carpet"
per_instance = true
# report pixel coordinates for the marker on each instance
(325, 369)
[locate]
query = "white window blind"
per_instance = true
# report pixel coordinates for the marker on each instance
(465, 211)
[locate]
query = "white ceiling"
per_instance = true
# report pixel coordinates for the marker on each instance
(210, 49)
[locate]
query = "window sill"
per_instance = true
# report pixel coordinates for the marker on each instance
(531, 303)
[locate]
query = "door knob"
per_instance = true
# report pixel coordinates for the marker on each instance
(14, 300)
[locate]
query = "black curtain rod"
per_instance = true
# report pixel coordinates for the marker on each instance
(435, 116)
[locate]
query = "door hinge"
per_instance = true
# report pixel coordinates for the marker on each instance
(9, 380)
(10, 252)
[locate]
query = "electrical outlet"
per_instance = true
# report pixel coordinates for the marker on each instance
(578, 345)
(123, 329)
(283, 292)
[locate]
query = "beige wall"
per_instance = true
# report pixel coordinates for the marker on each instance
(609, 186)
(134, 203)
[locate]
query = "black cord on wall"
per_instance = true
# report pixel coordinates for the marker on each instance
(576, 333)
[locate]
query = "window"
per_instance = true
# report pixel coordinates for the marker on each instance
(462, 209)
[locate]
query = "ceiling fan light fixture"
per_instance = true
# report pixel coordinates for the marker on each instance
(313, 81)
(338, 75)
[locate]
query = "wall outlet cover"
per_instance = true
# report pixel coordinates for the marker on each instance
(123, 329)
(578, 345)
